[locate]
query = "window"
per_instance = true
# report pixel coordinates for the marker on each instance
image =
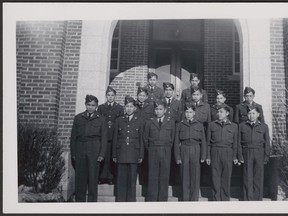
(236, 52)
(115, 49)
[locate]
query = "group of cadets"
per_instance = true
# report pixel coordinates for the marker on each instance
(156, 135)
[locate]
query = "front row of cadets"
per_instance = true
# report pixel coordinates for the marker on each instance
(152, 128)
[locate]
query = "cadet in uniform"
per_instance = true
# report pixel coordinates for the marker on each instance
(159, 134)
(187, 93)
(189, 150)
(128, 151)
(174, 106)
(220, 100)
(144, 108)
(155, 93)
(88, 147)
(241, 109)
(222, 152)
(253, 152)
(110, 110)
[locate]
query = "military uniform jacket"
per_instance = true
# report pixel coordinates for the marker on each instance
(203, 113)
(214, 111)
(88, 130)
(241, 114)
(157, 94)
(145, 112)
(187, 134)
(253, 137)
(110, 116)
(174, 110)
(155, 136)
(187, 93)
(222, 136)
(128, 144)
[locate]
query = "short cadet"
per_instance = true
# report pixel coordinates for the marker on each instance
(203, 113)
(110, 110)
(222, 152)
(144, 108)
(88, 147)
(128, 151)
(159, 134)
(241, 109)
(155, 93)
(174, 106)
(189, 150)
(253, 152)
(187, 93)
(220, 100)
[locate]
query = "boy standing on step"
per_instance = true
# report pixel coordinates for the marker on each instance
(189, 150)
(253, 152)
(155, 93)
(159, 134)
(128, 151)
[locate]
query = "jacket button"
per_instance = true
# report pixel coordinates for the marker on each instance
(128, 126)
(128, 131)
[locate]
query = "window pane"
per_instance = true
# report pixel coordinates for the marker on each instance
(237, 67)
(114, 53)
(113, 64)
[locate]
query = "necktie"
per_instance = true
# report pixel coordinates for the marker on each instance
(110, 106)
(160, 122)
(141, 105)
(90, 114)
(128, 118)
(253, 124)
(222, 123)
(152, 89)
(169, 102)
(190, 122)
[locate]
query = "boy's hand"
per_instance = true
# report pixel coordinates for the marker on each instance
(140, 160)
(235, 161)
(178, 162)
(208, 161)
(240, 162)
(202, 160)
(100, 159)
(114, 160)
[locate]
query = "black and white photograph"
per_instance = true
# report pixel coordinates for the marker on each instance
(145, 108)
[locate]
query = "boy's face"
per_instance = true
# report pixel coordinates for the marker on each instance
(142, 97)
(168, 92)
(189, 114)
(152, 81)
(196, 96)
(130, 108)
(91, 106)
(160, 111)
(110, 97)
(195, 82)
(222, 114)
(253, 115)
(249, 97)
(220, 99)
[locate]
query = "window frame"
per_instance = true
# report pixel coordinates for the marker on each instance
(119, 48)
(234, 41)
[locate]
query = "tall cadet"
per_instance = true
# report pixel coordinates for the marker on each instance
(222, 152)
(241, 114)
(88, 145)
(253, 152)
(128, 151)
(110, 110)
(159, 134)
(220, 100)
(155, 93)
(189, 150)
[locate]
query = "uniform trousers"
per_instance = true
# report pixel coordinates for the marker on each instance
(126, 182)
(253, 173)
(221, 167)
(159, 170)
(106, 168)
(190, 172)
(86, 174)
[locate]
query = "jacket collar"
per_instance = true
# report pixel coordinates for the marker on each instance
(220, 122)
(257, 122)
(186, 122)
(165, 120)
(95, 115)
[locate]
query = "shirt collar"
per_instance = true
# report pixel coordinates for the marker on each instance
(161, 118)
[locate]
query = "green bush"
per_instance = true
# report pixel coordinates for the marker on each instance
(40, 162)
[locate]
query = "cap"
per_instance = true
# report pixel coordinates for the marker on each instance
(224, 106)
(110, 89)
(151, 74)
(90, 98)
(248, 90)
(189, 105)
(250, 108)
(129, 99)
(220, 92)
(160, 102)
(142, 89)
(195, 90)
(167, 85)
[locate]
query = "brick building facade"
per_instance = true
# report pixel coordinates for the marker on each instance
(58, 62)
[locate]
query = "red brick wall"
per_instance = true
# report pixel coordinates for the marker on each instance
(39, 48)
(133, 58)
(218, 61)
(278, 75)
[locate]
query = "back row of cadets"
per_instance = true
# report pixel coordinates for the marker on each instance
(154, 103)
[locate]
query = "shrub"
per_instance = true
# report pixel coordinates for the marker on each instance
(40, 162)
